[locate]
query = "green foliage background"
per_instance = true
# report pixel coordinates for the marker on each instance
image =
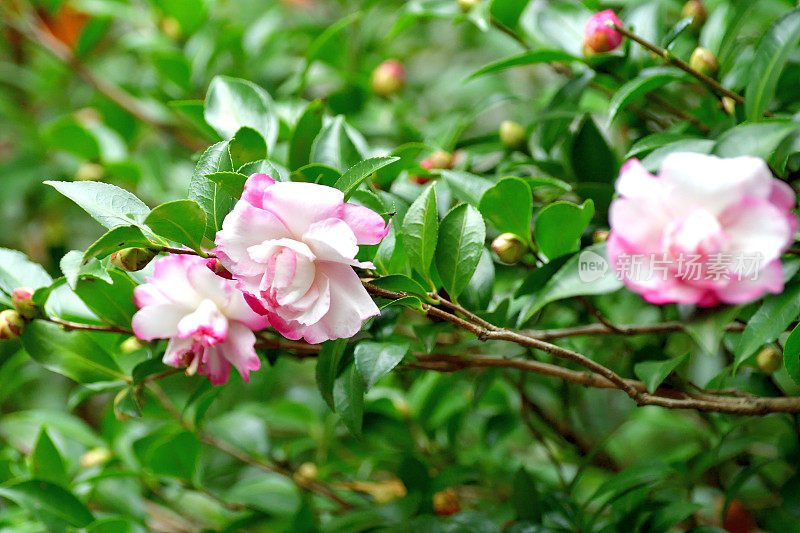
(213, 90)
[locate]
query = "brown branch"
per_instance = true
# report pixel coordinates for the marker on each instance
(602, 329)
(598, 315)
(69, 326)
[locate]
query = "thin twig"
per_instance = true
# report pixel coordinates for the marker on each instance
(598, 315)
(69, 326)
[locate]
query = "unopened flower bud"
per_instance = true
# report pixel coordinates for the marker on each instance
(445, 503)
(11, 325)
(508, 247)
(704, 61)
(388, 77)
(96, 457)
(598, 36)
(89, 172)
(695, 9)
(769, 359)
(600, 236)
(729, 105)
(438, 159)
(511, 133)
(467, 5)
(216, 267)
(418, 179)
(22, 297)
(402, 406)
(132, 259)
(171, 27)
(305, 473)
(130, 345)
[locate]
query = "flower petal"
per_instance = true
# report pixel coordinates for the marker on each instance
(239, 351)
(299, 205)
(367, 225)
(244, 227)
(254, 189)
(332, 240)
(216, 367)
(158, 321)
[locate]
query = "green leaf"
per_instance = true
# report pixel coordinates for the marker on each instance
(348, 397)
(328, 44)
(531, 57)
(584, 273)
(246, 146)
(508, 11)
(116, 239)
(400, 283)
(508, 206)
(708, 327)
(75, 355)
(214, 199)
(591, 157)
(466, 186)
(232, 103)
(16, 270)
(337, 146)
(771, 319)
(376, 359)
(791, 354)
(46, 461)
(181, 221)
(350, 180)
(646, 81)
(421, 231)
(772, 54)
(328, 362)
(316, 173)
(461, 237)
(107, 204)
(478, 294)
(230, 182)
(170, 452)
(113, 302)
(758, 139)
(653, 373)
(53, 505)
(559, 226)
(69, 135)
(527, 499)
(306, 130)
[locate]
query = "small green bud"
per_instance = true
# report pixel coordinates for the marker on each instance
(132, 259)
(769, 359)
(467, 5)
(11, 325)
(704, 61)
(131, 344)
(696, 9)
(23, 302)
(512, 134)
(96, 457)
(600, 236)
(388, 77)
(509, 248)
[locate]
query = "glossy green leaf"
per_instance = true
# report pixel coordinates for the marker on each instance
(759, 139)
(376, 359)
(246, 146)
(306, 130)
(53, 505)
(348, 397)
(646, 81)
(214, 199)
(328, 367)
(107, 204)
(69, 135)
(116, 239)
(46, 461)
(771, 319)
(508, 206)
(111, 301)
(16, 270)
(180, 221)
(355, 175)
(591, 157)
(232, 103)
(508, 12)
(75, 355)
(653, 373)
(421, 232)
(531, 57)
(337, 146)
(462, 233)
(559, 226)
(791, 354)
(772, 54)
(466, 187)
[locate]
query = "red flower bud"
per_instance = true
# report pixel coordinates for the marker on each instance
(132, 259)
(445, 503)
(11, 325)
(388, 77)
(598, 37)
(418, 179)
(22, 297)
(216, 267)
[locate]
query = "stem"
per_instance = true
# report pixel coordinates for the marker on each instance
(69, 326)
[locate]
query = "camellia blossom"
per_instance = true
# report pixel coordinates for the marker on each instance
(705, 231)
(598, 36)
(206, 319)
(291, 247)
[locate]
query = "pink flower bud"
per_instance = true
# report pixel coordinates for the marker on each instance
(217, 268)
(598, 37)
(22, 297)
(11, 325)
(508, 247)
(418, 179)
(132, 259)
(388, 77)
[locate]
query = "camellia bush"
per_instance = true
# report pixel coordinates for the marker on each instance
(435, 266)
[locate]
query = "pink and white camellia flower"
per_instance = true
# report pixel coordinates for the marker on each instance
(291, 247)
(598, 37)
(705, 231)
(206, 319)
